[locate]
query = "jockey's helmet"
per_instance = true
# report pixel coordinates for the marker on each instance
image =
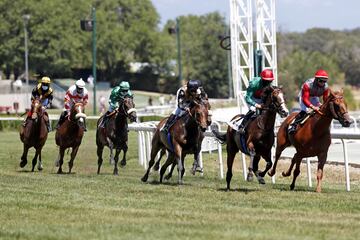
(321, 74)
(80, 84)
(193, 85)
(267, 75)
(45, 80)
(124, 86)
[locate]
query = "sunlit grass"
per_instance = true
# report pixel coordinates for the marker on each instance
(84, 205)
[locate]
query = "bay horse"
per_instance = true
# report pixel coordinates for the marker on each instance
(196, 151)
(313, 138)
(115, 133)
(259, 135)
(70, 134)
(34, 134)
(182, 138)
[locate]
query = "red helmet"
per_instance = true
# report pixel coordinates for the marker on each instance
(321, 74)
(267, 75)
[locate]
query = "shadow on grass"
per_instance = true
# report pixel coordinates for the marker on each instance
(244, 190)
(168, 183)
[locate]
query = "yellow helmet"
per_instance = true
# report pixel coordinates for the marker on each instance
(45, 80)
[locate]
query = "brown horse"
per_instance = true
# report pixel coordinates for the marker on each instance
(115, 133)
(196, 151)
(183, 138)
(313, 138)
(259, 137)
(70, 134)
(34, 134)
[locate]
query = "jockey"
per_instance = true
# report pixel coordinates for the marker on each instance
(44, 93)
(253, 95)
(117, 96)
(76, 93)
(184, 97)
(309, 95)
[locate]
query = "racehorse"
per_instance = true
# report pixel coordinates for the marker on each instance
(313, 138)
(34, 134)
(115, 133)
(70, 134)
(196, 151)
(182, 138)
(259, 135)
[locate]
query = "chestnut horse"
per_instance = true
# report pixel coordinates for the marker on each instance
(313, 138)
(259, 137)
(115, 133)
(70, 134)
(182, 138)
(34, 134)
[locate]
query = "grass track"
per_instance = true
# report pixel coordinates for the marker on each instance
(83, 205)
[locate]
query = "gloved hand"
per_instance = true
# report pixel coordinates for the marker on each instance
(258, 106)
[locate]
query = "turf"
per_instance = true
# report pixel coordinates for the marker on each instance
(84, 205)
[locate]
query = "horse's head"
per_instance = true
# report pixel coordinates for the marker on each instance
(274, 98)
(128, 108)
(36, 109)
(338, 108)
(78, 114)
(200, 112)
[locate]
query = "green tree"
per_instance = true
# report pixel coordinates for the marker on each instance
(202, 58)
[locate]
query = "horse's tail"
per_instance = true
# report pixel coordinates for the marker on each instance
(220, 137)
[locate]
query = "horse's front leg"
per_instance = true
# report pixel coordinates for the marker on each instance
(123, 161)
(267, 158)
(321, 162)
(73, 155)
(40, 166)
(178, 155)
(170, 160)
(60, 160)
(23, 161)
(255, 169)
(116, 158)
(99, 152)
(296, 172)
(35, 160)
(196, 165)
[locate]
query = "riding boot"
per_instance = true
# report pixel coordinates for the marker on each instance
(245, 122)
(61, 119)
(299, 117)
(104, 120)
(171, 120)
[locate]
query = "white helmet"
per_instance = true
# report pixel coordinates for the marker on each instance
(80, 83)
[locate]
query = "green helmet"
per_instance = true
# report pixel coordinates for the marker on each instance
(124, 86)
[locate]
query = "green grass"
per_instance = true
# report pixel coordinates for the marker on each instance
(84, 205)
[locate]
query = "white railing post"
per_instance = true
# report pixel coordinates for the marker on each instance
(346, 162)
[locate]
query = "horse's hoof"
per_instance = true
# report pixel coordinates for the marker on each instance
(262, 174)
(40, 168)
(261, 181)
(122, 164)
(59, 171)
(144, 178)
(250, 177)
(23, 163)
(156, 167)
(116, 173)
(292, 187)
(167, 177)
